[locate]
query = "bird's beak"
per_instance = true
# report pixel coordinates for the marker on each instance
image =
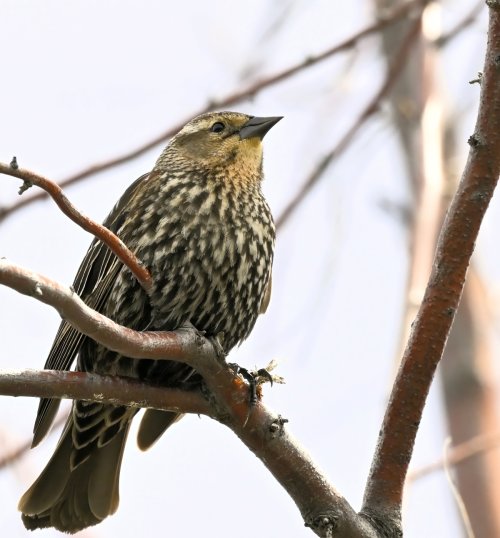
(258, 127)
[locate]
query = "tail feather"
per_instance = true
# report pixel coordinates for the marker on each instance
(153, 424)
(47, 411)
(45, 491)
(71, 499)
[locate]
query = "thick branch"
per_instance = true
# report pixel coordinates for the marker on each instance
(383, 494)
(321, 506)
(390, 17)
(98, 388)
(99, 231)
(184, 346)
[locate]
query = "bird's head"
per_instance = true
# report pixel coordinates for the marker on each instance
(223, 139)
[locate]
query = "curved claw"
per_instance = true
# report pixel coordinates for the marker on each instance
(253, 379)
(262, 372)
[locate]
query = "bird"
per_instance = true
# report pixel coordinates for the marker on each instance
(201, 225)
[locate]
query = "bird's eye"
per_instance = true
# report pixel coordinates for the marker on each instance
(217, 127)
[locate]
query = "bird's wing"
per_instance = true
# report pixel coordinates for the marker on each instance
(93, 283)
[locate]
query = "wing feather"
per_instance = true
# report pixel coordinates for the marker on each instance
(93, 283)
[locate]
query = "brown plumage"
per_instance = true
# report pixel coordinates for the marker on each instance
(201, 225)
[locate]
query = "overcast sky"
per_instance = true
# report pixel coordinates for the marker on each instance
(84, 81)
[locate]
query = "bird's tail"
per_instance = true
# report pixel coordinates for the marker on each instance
(71, 495)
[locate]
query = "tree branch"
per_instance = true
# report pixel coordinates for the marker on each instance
(263, 432)
(391, 16)
(384, 489)
(100, 388)
(112, 241)
(460, 26)
(476, 446)
(12, 455)
(184, 345)
(371, 108)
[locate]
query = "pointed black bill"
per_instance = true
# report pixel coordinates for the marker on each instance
(258, 127)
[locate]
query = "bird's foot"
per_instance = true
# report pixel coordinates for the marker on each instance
(255, 378)
(219, 350)
(214, 340)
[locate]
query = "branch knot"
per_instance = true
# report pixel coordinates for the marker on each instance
(323, 524)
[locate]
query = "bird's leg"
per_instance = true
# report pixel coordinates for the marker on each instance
(253, 378)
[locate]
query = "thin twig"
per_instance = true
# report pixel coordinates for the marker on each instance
(14, 454)
(392, 16)
(478, 445)
(371, 108)
(460, 26)
(106, 236)
(456, 493)
(384, 489)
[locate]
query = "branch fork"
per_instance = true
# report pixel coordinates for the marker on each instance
(321, 506)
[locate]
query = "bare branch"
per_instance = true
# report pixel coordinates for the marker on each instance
(12, 455)
(371, 108)
(462, 510)
(391, 16)
(183, 345)
(461, 25)
(101, 232)
(99, 388)
(383, 494)
(458, 454)
(264, 432)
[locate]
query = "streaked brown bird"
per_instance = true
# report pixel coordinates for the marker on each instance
(200, 223)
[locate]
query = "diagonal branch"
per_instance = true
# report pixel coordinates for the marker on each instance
(391, 16)
(10, 456)
(113, 242)
(263, 432)
(384, 489)
(477, 446)
(184, 346)
(395, 68)
(460, 26)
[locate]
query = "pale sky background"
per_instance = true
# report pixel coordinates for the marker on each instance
(84, 81)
